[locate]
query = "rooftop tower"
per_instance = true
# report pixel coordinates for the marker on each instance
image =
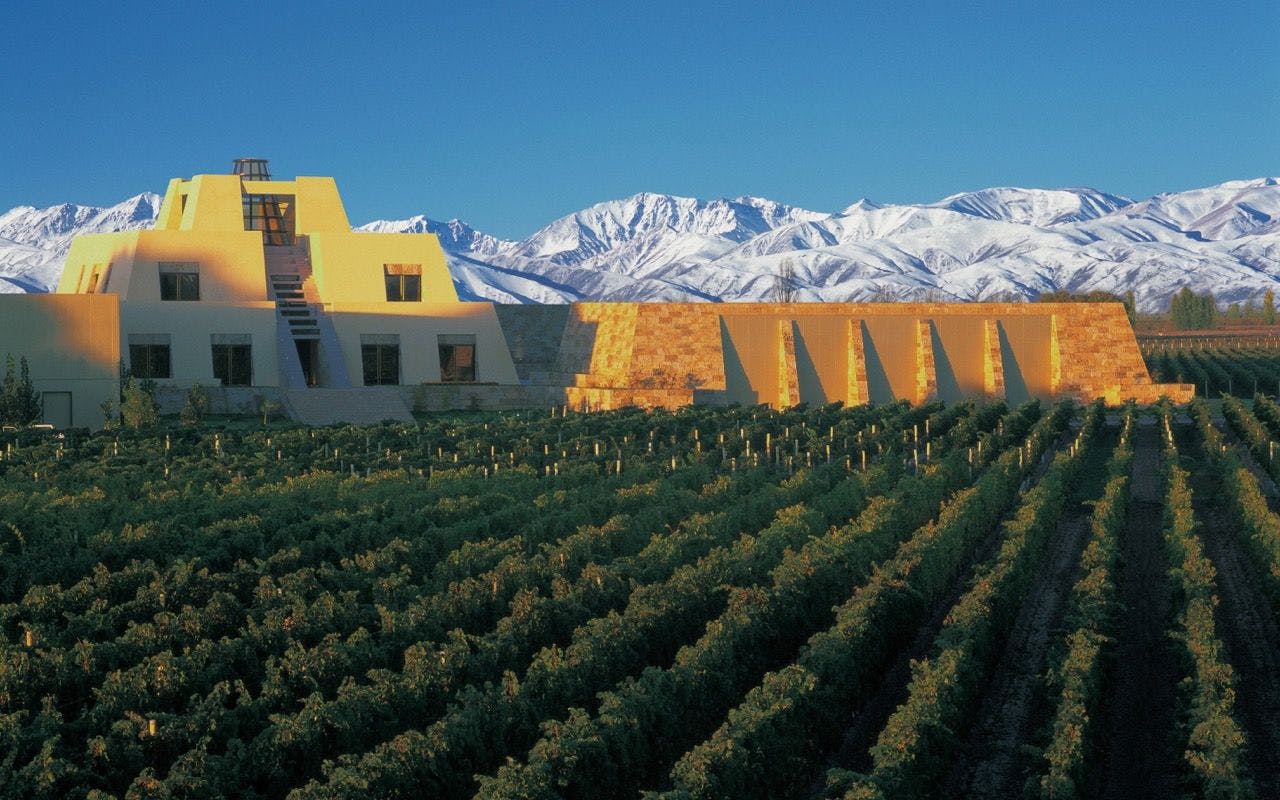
(251, 169)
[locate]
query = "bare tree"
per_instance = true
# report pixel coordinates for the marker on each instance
(885, 294)
(784, 282)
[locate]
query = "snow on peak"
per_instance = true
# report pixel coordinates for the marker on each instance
(606, 226)
(1038, 207)
(455, 235)
(862, 204)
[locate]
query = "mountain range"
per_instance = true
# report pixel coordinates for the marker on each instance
(1000, 243)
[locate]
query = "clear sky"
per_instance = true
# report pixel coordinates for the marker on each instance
(508, 115)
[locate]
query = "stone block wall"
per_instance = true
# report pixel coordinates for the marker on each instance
(668, 354)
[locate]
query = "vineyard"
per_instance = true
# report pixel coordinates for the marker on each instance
(1217, 371)
(871, 602)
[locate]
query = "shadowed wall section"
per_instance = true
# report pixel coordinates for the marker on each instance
(72, 346)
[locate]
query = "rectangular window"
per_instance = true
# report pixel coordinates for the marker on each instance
(149, 355)
(380, 359)
(232, 359)
(179, 280)
(457, 358)
(404, 282)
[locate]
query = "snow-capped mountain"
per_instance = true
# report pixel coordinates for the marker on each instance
(1038, 207)
(455, 235)
(34, 241)
(999, 242)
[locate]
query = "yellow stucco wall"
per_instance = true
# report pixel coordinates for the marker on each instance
(821, 359)
(71, 343)
(348, 267)
(231, 263)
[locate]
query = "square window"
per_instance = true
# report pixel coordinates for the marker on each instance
(179, 281)
(404, 282)
(149, 356)
(380, 362)
(233, 364)
(457, 358)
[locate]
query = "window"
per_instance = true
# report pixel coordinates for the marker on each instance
(149, 355)
(232, 359)
(404, 282)
(380, 359)
(457, 358)
(179, 280)
(273, 214)
(98, 276)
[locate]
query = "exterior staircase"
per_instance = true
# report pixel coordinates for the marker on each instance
(300, 317)
(368, 405)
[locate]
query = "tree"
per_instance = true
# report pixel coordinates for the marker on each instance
(1208, 311)
(1190, 311)
(19, 400)
(197, 405)
(110, 419)
(1269, 308)
(138, 410)
(8, 393)
(269, 408)
(784, 282)
(27, 399)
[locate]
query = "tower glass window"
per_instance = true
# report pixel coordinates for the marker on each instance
(380, 359)
(457, 358)
(179, 280)
(149, 355)
(273, 214)
(232, 359)
(404, 282)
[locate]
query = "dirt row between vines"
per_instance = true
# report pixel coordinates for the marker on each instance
(992, 762)
(1138, 751)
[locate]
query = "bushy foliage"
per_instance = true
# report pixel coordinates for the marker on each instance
(19, 401)
(1191, 311)
(138, 409)
(196, 406)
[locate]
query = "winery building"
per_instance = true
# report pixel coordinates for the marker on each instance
(259, 290)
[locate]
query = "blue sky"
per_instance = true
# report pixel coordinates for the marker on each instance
(508, 115)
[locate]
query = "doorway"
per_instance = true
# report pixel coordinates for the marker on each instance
(56, 408)
(309, 358)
